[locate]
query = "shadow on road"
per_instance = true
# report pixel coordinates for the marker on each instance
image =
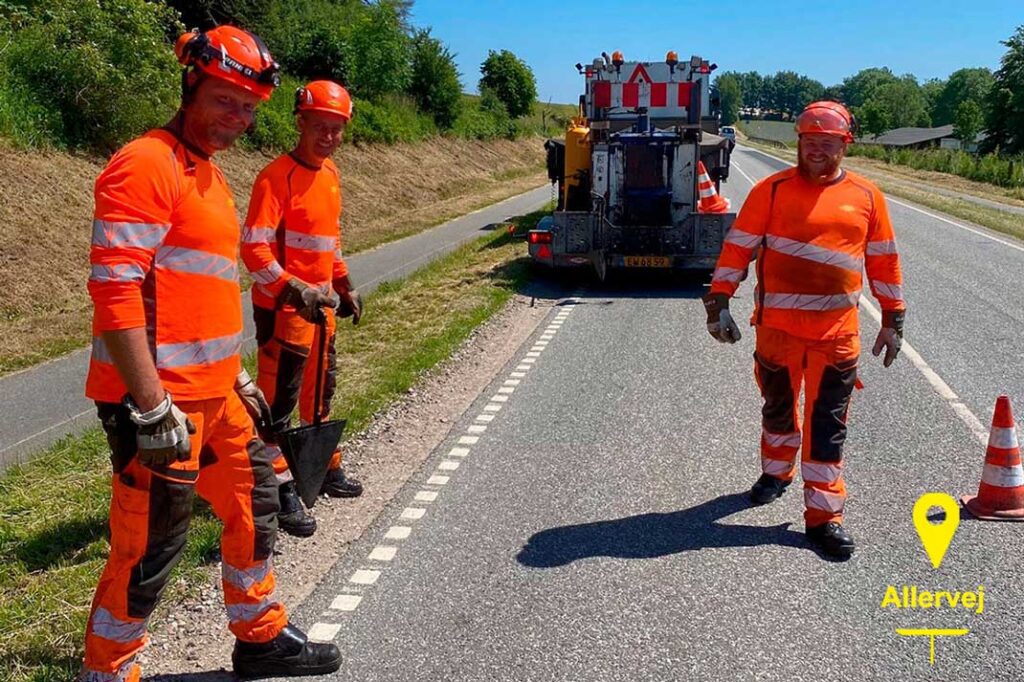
(646, 536)
(212, 676)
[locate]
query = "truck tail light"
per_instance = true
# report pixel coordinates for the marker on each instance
(540, 237)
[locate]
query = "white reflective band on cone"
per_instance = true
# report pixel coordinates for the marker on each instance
(1003, 438)
(1003, 477)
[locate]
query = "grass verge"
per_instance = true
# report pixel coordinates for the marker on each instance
(992, 218)
(53, 510)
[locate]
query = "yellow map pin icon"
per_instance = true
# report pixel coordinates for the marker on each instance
(936, 536)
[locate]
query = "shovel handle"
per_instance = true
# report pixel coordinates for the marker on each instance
(321, 321)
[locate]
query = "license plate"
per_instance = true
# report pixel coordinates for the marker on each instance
(647, 262)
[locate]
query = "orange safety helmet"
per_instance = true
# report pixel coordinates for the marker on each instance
(826, 117)
(325, 96)
(231, 54)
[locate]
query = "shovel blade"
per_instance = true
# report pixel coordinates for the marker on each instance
(308, 451)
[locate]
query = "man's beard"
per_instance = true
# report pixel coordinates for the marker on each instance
(818, 171)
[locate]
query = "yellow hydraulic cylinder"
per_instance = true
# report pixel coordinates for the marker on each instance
(577, 165)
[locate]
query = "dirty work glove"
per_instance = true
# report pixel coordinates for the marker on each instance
(721, 326)
(890, 337)
(163, 435)
(255, 403)
(306, 300)
(350, 302)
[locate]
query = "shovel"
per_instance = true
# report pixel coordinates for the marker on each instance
(308, 449)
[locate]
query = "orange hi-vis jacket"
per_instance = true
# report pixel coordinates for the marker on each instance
(164, 257)
(292, 228)
(812, 244)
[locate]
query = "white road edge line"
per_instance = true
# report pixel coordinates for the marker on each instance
(937, 383)
(324, 632)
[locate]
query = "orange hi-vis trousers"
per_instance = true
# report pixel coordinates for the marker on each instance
(286, 373)
(149, 519)
(827, 371)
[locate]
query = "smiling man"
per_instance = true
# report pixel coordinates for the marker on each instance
(814, 229)
(166, 375)
(292, 247)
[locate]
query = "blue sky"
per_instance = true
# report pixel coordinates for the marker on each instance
(824, 40)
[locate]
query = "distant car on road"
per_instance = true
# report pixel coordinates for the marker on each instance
(728, 132)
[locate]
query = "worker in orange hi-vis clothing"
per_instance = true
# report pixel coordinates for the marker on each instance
(814, 230)
(176, 405)
(292, 243)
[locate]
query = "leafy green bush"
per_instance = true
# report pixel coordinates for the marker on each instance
(1005, 171)
(89, 73)
(511, 81)
(435, 80)
(393, 119)
(274, 127)
(483, 118)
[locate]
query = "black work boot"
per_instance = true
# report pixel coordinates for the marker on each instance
(768, 489)
(292, 518)
(289, 654)
(831, 539)
(337, 484)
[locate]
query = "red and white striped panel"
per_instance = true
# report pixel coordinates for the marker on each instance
(654, 96)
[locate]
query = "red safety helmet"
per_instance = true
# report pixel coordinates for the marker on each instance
(828, 118)
(325, 96)
(231, 54)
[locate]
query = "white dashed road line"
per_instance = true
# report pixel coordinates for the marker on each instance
(385, 553)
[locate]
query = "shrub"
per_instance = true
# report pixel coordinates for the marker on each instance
(510, 80)
(104, 70)
(483, 118)
(435, 80)
(393, 119)
(1005, 171)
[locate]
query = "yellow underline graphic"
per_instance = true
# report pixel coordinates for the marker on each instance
(931, 634)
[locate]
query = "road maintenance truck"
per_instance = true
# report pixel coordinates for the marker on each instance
(638, 172)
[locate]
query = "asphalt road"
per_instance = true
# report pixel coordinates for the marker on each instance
(42, 404)
(593, 525)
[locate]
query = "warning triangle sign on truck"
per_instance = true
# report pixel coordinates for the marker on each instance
(655, 94)
(640, 72)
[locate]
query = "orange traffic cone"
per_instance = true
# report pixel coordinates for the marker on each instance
(1001, 491)
(710, 200)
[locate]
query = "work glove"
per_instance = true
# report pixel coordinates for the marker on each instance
(163, 434)
(721, 326)
(890, 337)
(306, 300)
(255, 404)
(350, 302)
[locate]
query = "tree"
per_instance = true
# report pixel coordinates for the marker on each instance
(857, 89)
(873, 118)
(731, 96)
(896, 104)
(1004, 111)
(378, 61)
(968, 122)
(932, 90)
(435, 80)
(963, 85)
(510, 80)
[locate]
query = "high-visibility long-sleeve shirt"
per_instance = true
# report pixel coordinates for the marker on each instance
(164, 257)
(812, 244)
(292, 228)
